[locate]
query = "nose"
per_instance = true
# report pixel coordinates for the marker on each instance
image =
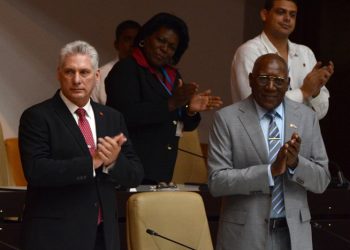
(287, 17)
(271, 84)
(164, 47)
(76, 78)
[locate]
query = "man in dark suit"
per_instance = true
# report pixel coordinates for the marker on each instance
(72, 161)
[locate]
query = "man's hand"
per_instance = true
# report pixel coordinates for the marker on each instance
(108, 150)
(279, 166)
(316, 79)
(293, 150)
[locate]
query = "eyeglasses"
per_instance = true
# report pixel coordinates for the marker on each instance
(278, 82)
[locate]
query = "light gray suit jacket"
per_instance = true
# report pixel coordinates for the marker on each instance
(238, 165)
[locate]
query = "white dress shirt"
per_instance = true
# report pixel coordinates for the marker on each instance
(301, 60)
(90, 116)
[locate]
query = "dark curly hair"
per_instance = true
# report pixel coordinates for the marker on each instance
(169, 21)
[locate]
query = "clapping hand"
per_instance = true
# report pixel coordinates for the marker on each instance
(108, 149)
(316, 79)
(182, 94)
(204, 101)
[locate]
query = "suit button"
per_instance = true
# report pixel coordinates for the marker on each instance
(174, 122)
(169, 147)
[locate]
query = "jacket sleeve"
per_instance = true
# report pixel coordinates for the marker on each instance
(40, 166)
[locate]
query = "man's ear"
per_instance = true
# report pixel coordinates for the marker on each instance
(263, 14)
(98, 76)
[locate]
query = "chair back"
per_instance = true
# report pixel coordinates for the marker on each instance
(190, 167)
(5, 175)
(179, 216)
(14, 161)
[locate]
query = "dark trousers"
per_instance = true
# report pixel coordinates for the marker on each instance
(279, 238)
(100, 240)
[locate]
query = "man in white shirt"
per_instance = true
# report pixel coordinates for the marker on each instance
(125, 34)
(308, 77)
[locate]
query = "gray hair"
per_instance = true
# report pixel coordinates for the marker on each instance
(79, 47)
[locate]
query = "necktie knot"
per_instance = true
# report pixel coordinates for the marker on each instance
(271, 115)
(81, 112)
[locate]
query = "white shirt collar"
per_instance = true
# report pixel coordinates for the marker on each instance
(292, 51)
(72, 107)
(261, 111)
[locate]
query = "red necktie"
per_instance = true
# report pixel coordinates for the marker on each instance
(85, 129)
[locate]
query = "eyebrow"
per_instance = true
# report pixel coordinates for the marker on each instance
(286, 10)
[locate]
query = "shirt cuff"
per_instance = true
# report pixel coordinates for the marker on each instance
(106, 169)
(291, 171)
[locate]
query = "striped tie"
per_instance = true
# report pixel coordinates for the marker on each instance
(274, 140)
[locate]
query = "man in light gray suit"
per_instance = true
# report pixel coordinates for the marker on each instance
(251, 178)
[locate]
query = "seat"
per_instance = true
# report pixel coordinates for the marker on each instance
(190, 168)
(5, 175)
(14, 161)
(179, 216)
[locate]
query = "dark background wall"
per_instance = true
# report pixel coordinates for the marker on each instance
(324, 26)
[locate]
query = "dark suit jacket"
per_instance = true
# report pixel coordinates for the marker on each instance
(63, 196)
(138, 94)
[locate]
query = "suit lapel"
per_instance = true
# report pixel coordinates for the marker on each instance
(250, 122)
(292, 119)
(66, 117)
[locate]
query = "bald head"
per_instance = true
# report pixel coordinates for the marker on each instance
(263, 60)
(269, 81)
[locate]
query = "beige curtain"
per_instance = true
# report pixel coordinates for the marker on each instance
(5, 174)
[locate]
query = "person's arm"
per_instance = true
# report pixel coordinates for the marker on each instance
(312, 90)
(311, 170)
(40, 166)
(137, 95)
(224, 178)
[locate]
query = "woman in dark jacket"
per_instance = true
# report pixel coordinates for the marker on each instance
(156, 103)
